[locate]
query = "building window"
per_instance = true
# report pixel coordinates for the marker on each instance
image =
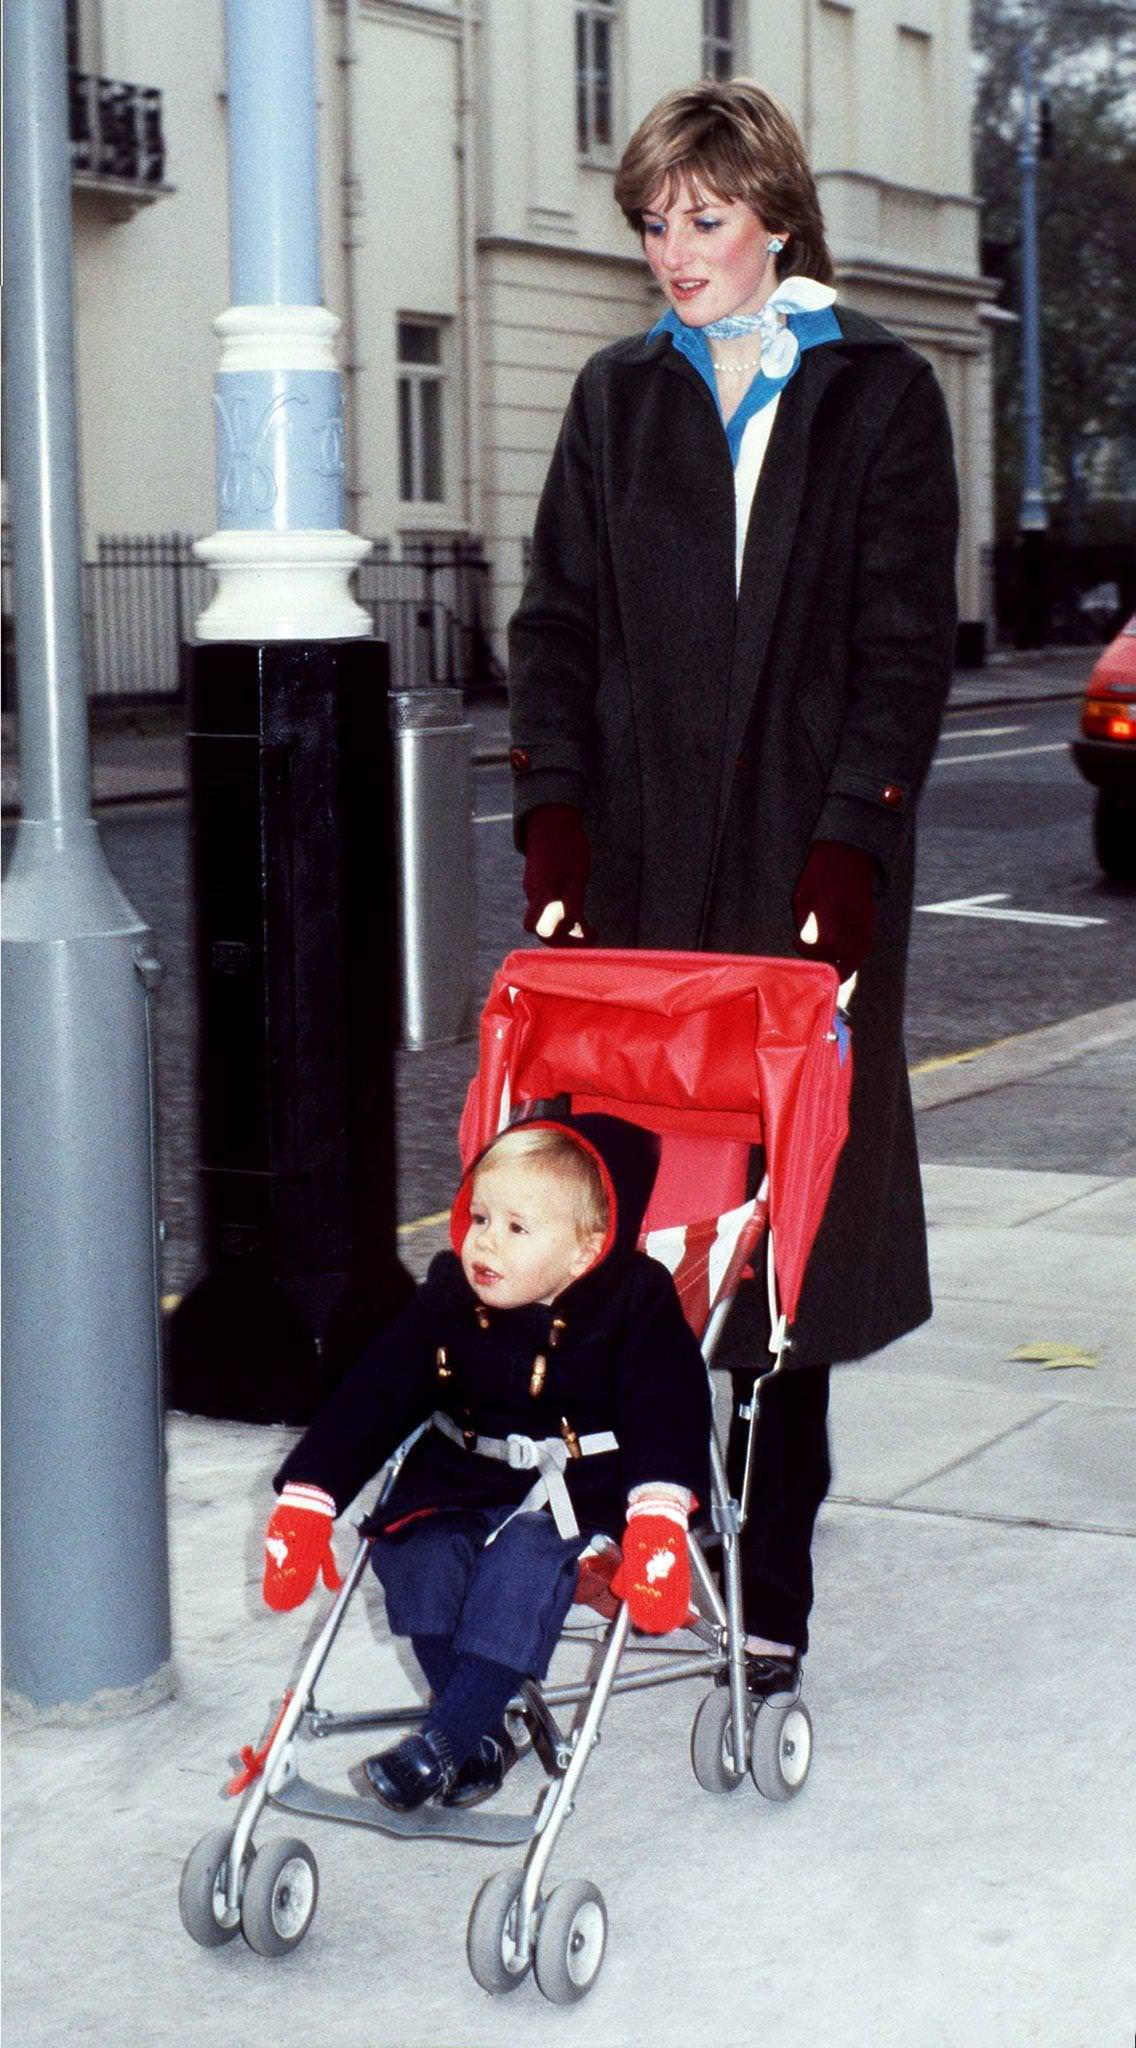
(421, 381)
(595, 79)
(718, 39)
(914, 136)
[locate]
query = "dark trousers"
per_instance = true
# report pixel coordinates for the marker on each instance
(791, 1475)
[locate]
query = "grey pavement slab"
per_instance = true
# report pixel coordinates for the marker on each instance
(1069, 1467)
(956, 1874)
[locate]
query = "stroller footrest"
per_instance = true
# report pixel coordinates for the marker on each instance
(449, 1823)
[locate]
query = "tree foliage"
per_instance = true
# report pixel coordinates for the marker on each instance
(1084, 55)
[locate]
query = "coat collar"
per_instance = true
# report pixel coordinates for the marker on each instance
(810, 329)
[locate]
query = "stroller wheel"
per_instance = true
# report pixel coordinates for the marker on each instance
(280, 1896)
(490, 1945)
(712, 1745)
(570, 1942)
(781, 1749)
(201, 1893)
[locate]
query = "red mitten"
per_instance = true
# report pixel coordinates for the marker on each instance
(297, 1547)
(558, 861)
(654, 1577)
(837, 887)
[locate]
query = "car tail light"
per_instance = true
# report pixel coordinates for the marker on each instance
(1104, 718)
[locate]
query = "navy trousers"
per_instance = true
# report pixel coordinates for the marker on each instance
(504, 1600)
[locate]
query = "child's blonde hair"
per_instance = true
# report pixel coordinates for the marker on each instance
(564, 1161)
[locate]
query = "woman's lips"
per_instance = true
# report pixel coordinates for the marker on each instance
(685, 288)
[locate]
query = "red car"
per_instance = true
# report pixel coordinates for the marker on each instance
(1106, 753)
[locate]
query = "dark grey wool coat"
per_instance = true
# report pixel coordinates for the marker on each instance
(710, 739)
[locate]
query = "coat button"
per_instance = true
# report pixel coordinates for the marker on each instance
(519, 760)
(892, 795)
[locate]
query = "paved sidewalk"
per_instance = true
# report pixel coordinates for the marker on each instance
(957, 1872)
(139, 755)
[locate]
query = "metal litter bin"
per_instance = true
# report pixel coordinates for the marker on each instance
(437, 915)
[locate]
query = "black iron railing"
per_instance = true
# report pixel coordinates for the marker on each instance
(116, 130)
(143, 592)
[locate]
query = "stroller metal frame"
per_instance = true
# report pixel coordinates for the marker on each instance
(781, 1763)
(512, 1925)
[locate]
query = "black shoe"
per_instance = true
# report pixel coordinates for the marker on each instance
(482, 1774)
(768, 1675)
(414, 1771)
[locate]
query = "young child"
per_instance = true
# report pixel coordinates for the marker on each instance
(567, 1396)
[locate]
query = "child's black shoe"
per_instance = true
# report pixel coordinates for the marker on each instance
(410, 1773)
(482, 1774)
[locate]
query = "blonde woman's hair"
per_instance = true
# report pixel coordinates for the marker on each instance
(731, 140)
(562, 1160)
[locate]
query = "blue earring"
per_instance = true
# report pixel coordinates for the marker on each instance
(775, 245)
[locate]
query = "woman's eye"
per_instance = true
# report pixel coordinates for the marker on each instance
(706, 227)
(653, 228)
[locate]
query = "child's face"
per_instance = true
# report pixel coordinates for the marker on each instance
(522, 1244)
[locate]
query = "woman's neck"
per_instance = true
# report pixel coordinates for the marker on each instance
(736, 361)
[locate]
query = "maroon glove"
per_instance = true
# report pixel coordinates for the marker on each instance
(837, 887)
(558, 860)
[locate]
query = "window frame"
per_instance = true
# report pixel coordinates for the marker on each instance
(714, 44)
(414, 428)
(589, 15)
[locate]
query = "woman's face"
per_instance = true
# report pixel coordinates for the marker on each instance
(709, 254)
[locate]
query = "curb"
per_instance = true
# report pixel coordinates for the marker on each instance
(1021, 1058)
(176, 792)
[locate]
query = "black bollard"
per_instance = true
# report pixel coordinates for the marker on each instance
(298, 1005)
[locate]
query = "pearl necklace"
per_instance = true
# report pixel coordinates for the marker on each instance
(735, 369)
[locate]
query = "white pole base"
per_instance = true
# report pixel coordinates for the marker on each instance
(283, 586)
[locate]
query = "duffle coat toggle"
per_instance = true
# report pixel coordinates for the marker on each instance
(546, 1456)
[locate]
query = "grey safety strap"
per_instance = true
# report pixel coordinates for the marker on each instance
(546, 1456)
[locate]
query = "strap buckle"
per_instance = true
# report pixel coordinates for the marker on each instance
(522, 1453)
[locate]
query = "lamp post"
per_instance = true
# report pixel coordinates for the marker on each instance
(292, 812)
(1033, 515)
(86, 1597)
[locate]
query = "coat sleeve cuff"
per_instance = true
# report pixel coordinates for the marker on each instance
(857, 821)
(537, 786)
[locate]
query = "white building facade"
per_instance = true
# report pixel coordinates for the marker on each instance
(471, 244)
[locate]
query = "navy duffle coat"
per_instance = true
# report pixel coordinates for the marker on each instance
(618, 1355)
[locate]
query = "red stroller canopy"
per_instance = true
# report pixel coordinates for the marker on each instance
(721, 1047)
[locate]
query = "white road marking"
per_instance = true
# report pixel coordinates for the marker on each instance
(1001, 754)
(985, 732)
(495, 818)
(985, 906)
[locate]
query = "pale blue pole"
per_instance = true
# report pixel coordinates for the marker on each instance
(273, 188)
(278, 393)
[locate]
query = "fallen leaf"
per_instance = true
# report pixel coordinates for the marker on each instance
(1054, 1357)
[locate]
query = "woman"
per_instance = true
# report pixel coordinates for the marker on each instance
(727, 676)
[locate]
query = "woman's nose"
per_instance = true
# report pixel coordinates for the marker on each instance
(676, 249)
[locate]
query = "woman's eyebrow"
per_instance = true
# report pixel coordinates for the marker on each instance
(704, 206)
